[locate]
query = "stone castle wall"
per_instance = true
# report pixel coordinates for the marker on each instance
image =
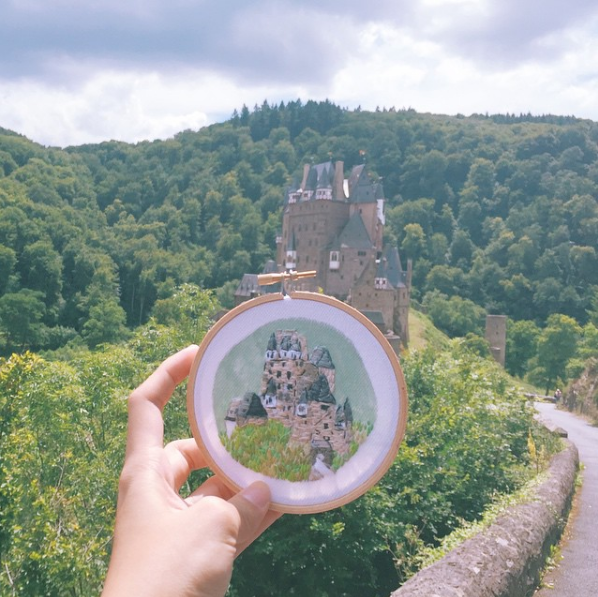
(285, 380)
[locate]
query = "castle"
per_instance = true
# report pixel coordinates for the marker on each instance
(335, 226)
(297, 390)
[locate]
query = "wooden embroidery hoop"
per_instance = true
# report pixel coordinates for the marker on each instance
(364, 468)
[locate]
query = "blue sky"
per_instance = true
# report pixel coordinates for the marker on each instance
(78, 71)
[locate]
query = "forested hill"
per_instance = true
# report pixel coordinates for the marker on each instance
(498, 213)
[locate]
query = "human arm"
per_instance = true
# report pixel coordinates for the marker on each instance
(166, 545)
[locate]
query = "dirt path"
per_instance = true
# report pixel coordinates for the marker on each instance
(577, 573)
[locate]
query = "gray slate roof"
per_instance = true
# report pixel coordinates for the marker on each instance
(375, 317)
(390, 268)
(361, 188)
(354, 234)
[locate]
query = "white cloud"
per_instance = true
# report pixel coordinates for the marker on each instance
(130, 106)
(155, 69)
(110, 105)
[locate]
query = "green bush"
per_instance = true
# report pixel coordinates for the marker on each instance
(466, 443)
(62, 437)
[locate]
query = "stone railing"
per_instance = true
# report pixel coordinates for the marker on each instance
(506, 559)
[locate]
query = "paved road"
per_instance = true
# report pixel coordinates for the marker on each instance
(577, 573)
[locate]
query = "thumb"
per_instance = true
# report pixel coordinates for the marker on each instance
(252, 503)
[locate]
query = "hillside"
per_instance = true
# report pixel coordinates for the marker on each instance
(466, 443)
(498, 214)
(423, 333)
(582, 394)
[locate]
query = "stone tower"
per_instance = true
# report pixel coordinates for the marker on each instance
(496, 334)
(335, 226)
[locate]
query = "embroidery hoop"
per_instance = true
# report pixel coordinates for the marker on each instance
(323, 316)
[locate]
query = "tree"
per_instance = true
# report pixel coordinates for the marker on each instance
(41, 269)
(8, 259)
(455, 316)
(418, 212)
(438, 248)
(593, 309)
(589, 346)
(557, 345)
(517, 300)
(445, 279)
(106, 323)
(522, 345)
(433, 169)
(189, 311)
(482, 177)
(414, 242)
(21, 315)
(461, 249)
(547, 297)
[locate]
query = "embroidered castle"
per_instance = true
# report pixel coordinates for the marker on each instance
(297, 389)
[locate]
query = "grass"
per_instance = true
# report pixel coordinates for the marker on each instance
(265, 449)
(423, 333)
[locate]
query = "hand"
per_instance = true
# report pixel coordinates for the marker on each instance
(165, 545)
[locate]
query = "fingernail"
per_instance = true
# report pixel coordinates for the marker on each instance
(258, 494)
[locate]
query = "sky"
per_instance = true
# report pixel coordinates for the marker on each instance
(86, 71)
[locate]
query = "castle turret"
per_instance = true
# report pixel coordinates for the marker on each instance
(271, 350)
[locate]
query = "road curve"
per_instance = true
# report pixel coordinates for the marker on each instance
(577, 573)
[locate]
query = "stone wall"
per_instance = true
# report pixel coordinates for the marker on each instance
(505, 560)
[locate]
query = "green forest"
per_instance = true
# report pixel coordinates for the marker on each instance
(498, 213)
(62, 441)
(115, 255)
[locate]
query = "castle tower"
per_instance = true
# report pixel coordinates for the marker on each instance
(335, 226)
(496, 334)
(383, 294)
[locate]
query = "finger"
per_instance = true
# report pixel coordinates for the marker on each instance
(183, 457)
(270, 518)
(211, 487)
(252, 504)
(146, 428)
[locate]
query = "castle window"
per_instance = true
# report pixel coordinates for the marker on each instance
(288, 374)
(326, 426)
(278, 373)
(334, 263)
